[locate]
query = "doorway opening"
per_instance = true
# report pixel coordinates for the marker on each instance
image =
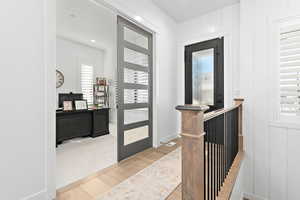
(86, 64)
(97, 123)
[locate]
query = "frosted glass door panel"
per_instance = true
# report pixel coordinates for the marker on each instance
(135, 135)
(135, 96)
(203, 77)
(137, 77)
(135, 57)
(135, 115)
(135, 38)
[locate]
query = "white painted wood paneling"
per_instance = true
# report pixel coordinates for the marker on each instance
(284, 161)
(293, 164)
(277, 157)
(267, 162)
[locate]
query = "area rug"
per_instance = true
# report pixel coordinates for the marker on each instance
(156, 182)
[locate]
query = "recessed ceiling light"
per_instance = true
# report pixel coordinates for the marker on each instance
(212, 29)
(138, 18)
(93, 41)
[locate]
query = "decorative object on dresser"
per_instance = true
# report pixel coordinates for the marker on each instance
(101, 93)
(60, 79)
(81, 105)
(68, 97)
(68, 105)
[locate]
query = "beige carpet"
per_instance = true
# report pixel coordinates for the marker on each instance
(155, 182)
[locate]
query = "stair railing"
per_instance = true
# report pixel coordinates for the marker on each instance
(212, 145)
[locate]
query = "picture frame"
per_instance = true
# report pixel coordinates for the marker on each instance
(68, 105)
(81, 105)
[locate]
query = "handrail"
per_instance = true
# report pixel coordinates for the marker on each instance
(195, 143)
(213, 114)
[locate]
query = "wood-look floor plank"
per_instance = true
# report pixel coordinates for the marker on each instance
(104, 180)
(74, 194)
(176, 194)
(95, 187)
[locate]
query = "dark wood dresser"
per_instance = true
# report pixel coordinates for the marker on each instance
(83, 123)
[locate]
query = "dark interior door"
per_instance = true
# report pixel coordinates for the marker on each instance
(135, 55)
(204, 73)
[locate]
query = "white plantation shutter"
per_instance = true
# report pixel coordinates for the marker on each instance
(290, 70)
(135, 95)
(87, 76)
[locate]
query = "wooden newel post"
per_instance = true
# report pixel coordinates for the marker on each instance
(239, 102)
(192, 151)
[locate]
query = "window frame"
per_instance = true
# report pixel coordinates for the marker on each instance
(274, 67)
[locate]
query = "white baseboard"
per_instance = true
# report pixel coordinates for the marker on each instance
(42, 195)
(168, 138)
(252, 197)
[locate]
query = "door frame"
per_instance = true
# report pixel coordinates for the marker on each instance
(218, 45)
(140, 145)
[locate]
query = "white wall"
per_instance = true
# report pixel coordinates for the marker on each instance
(222, 22)
(284, 162)
(69, 58)
(271, 165)
(25, 123)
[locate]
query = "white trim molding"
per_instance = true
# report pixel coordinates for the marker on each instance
(50, 100)
(38, 196)
(252, 197)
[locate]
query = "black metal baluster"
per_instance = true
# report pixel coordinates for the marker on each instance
(209, 162)
(228, 143)
(221, 148)
(205, 170)
(231, 141)
(231, 133)
(219, 152)
(217, 145)
(224, 149)
(214, 143)
(237, 130)
(218, 156)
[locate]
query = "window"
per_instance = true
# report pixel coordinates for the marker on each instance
(290, 70)
(203, 77)
(87, 76)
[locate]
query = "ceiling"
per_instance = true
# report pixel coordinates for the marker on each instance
(86, 22)
(182, 10)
